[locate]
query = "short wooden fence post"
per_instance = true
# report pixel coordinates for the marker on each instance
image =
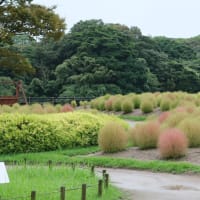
(25, 161)
(33, 195)
(62, 193)
(103, 173)
(50, 164)
(73, 166)
(106, 180)
(100, 188)
(83, 196)
(92, 170)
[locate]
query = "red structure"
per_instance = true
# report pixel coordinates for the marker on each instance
(10, 100)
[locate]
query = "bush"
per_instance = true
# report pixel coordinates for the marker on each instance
(67, 108)
(84, 104)
(136, 101)
(73, 104)
(108, 104)
(117, 105)
(191, 128)
(163, 116)
(35, 133)
(127, 106)
(146, 134)
(112, 138)
(28, 133)
(101, 105)
(49, 108)
(36, 108)
(172, 144)
(174, 119)
(146, 106)
(165, 104)
(132, 135)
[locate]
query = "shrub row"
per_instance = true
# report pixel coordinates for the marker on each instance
(147, 102)
(35, 133)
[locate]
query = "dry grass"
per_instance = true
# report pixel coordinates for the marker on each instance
(112, 138)
(172, 144)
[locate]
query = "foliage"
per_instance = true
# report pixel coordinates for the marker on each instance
(146, 106)
(34, 133)
(127, 106)
(163, 116)
(30, 20)
(136, 101)
(165, 104)
(172, 143)
(74, 104)
(112, 138)
(147, 134)
(191, 128)
(33, 19)
(117, 105)
(95, 58)
(7, 87)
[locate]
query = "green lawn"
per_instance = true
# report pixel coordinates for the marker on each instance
(73, 156)
(47, 182)
(133, 118)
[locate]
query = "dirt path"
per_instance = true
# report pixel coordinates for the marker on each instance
(142, 185)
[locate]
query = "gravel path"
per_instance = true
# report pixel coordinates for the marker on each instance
(144, 185)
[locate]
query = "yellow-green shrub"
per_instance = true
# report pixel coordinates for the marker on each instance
(174, 119)
(117, 104)
(136, 101)
(146, 106)
(127, 106)
(191, 128)
(165, 104)
(112, 138)
(73, 103)
(146, 134)
(32, 133)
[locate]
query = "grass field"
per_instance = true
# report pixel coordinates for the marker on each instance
(47, 182)
(70, 156)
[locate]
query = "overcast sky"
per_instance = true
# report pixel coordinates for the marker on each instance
(171, 18)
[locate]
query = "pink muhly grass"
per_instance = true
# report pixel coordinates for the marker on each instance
(67, 108)
(172, 143)
(147, 135)
(163, 116)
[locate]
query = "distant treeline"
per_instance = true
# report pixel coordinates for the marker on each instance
(95, 58)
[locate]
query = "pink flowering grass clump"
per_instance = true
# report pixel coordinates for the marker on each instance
(172, 143)
(163, 116)
(67, 108)
(147, 134)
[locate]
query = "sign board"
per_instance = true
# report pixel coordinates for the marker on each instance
(3, 174)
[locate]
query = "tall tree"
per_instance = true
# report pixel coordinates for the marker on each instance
(23, 17)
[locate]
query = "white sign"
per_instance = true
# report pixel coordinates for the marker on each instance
(3, 173)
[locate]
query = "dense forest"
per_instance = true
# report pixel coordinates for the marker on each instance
(95, 58)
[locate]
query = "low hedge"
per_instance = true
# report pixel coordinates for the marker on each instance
(35, 133)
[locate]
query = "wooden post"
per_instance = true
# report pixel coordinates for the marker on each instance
(73, 166)
(33, 195)
(25, 162)
(106, 180)
(50, 164)
(103, 173)
(100, 188)
(62, 193)
(83, 197)
(92, 170)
